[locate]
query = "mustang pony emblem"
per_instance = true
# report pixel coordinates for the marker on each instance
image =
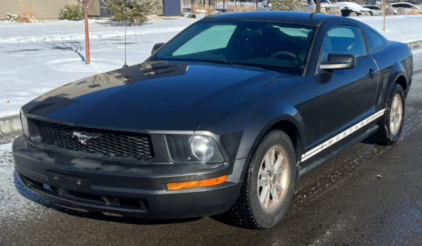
(83, 138)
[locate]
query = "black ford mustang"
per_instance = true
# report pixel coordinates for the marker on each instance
(226, 116)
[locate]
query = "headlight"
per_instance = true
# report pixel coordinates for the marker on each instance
(202, 148)
(193, 148)
(24, 122)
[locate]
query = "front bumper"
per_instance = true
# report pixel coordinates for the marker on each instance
(123, 188)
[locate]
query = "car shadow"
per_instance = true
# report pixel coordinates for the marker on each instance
(224, 219)
(77, 212)
(368, 141)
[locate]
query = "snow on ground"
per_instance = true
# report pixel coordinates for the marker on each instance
(402, 28)
(35, 58)
(15, 206)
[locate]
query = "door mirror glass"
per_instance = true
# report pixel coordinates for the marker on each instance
(338, 61)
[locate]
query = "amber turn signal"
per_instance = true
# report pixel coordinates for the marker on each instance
(197, 183)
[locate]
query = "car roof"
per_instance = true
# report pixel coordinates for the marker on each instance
(347, 4)
(403, 3)
(278, 16)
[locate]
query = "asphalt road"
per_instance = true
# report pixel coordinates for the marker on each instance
(369, 195)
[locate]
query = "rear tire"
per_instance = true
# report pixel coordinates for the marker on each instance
(268, 185)
(391, 123)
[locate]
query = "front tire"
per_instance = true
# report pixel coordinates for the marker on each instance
(391, 123)
(268, 185)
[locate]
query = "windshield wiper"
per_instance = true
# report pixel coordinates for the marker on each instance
(241, 64)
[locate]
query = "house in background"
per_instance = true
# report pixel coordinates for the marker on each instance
(49, 9)
(171, 8)
(42, 9)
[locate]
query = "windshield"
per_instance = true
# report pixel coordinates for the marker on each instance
(274, 46)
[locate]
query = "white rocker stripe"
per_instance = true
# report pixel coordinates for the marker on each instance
(342, 135)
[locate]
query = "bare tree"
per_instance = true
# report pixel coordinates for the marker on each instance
(86, 5)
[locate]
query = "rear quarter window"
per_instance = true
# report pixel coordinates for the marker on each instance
(378, 41)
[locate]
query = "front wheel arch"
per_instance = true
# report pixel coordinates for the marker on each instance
(293, 132)
(249, 210)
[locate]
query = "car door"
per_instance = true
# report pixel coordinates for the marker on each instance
(348, 94)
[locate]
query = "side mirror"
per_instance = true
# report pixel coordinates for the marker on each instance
(157, 47)
(339, 61)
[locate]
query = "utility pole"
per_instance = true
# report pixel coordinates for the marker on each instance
(385, 10)
(86, 5)
(318, 6)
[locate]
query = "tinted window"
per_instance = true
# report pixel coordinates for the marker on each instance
(282, 47)
(213, 38)
(344, 40)
(377, 40)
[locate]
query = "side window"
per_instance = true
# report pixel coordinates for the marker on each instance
(216, 37)
(377, 41)
(344, 40)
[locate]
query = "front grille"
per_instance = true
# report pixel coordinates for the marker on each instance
(95, 141)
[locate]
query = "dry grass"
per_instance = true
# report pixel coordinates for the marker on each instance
(207, 9)
(28, 16)
(202, 9)
(193, 8)
(389, 10)
(153, 17)
(240, 8)
(401, 11)
(413, 12)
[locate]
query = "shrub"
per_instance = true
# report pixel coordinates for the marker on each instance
(192, 16)
(71, 12)
(12, 17)
(413, 12)
(243, 8)
(334, 11)
(293, 5)
(28, 16)
(389, 10)
(401, 11)
(131, 11)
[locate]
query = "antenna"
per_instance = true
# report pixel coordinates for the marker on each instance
(125, 35)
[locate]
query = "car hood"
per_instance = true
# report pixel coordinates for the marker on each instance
(151, 96)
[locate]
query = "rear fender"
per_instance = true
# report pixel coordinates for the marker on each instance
(396, 72)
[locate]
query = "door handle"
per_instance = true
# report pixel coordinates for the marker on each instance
(371, 73)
